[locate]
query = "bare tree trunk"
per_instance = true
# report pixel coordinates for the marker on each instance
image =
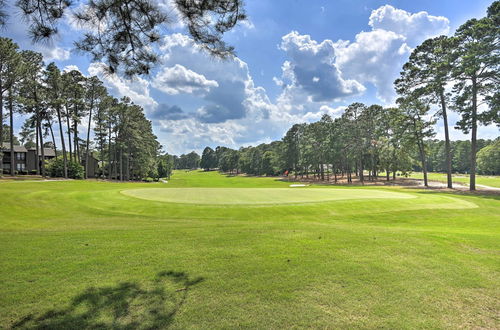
(37, 148)
(121, 164)
(361, 174)
(1, 130)
(109, 153)
(12, 154)
(422, 159)
(52, 135)
(447, 140)
(39, 124)
(76, 142)
(68, 127)
(473, 144)
(61, 133)
(88, 142)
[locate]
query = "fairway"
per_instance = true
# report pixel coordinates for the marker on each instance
(248, 196)
(213, 251)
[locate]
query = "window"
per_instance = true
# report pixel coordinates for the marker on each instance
(20, 156)
(20, 167)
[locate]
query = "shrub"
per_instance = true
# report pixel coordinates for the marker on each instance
(55, 168)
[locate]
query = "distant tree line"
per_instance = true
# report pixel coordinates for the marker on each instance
(188, 161)
(369, 139)
(56, 101)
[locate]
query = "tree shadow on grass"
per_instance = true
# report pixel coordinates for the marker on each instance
(128, 305)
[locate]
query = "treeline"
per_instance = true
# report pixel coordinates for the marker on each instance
(188, 161)
(368, 140)
(55, 101)
(460, 156)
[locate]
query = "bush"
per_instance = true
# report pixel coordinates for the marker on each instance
(55, 168)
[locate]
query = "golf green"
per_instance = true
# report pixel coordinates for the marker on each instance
(227, 196)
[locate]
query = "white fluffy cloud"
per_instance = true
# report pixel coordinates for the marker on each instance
(415, 27)
(137, 89)
(374, 57)
(377, 56)
(178, 79)
(329, 70)
(312, 70)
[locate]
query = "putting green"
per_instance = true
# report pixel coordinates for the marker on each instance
(228, 196)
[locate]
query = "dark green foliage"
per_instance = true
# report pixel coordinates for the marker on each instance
(488, 159)
(208, 159)
(55, 168)
(165, 166)
(188, 161)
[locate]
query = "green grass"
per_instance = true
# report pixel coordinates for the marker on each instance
(83, 254)
(486, 180)
(240, 196)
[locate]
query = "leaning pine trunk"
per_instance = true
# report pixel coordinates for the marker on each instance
(61, 133)
(69, 135)
(447, 141)
(52, 135)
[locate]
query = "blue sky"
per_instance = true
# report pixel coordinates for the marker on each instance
(295, 61)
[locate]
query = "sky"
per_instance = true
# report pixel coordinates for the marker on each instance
(296, 60)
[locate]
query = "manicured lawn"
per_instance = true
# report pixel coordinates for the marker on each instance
(487, 180)
(83, 254)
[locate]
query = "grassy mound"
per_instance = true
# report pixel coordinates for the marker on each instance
(249, 196)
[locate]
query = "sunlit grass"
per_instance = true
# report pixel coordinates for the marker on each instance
(81, 253)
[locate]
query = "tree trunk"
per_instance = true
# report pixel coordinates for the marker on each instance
(52, 135)
(121, 164)
(12, 154)
(69, 135)
(63, 146)
(75, 142)
(473, 144)
(447, 140)
(39, 124)
(388, 175)
(37, 148)
(88, 142)
(1, 130)
(361, 174)
(422, 160)
(109, 153)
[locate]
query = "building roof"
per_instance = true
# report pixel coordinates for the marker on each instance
(18, 148)
(47, 151)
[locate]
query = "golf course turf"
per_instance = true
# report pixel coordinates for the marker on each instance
(207, 250)
(247, 196)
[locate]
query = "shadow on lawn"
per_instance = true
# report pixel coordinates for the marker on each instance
(127, 305)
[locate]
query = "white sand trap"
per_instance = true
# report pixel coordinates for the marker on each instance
(298, 185)
(232, 196)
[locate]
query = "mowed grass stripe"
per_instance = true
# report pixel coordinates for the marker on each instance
(246, 196)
